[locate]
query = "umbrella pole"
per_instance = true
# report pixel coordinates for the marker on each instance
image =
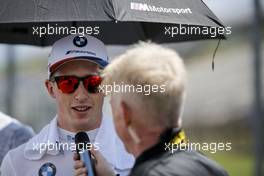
(258, 104)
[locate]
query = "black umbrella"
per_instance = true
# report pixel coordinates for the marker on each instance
(113, 21)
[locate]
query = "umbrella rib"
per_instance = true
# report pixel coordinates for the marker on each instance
(77, 9)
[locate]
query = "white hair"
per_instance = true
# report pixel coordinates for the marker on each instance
(151, 64)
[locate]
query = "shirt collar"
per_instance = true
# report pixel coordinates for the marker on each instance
(106, 138)
(67, 136)
(36, 147)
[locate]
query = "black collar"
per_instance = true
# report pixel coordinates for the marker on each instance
(159, 148)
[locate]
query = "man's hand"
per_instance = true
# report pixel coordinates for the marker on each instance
(79, 168)
(102, 168)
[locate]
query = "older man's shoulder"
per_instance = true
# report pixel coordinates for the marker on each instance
(188, 163)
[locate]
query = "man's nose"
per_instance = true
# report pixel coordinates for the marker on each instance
(81, 94)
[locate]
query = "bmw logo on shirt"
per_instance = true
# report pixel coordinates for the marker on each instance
(47, 169)
(79, 41)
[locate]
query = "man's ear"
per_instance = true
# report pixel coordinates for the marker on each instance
(128, 117)
(127, 113)
(49, 87)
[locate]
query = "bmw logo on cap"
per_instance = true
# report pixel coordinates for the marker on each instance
(80, 41)
(47, 169)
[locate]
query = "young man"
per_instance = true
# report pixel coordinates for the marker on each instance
(149, 122)
(74, 76)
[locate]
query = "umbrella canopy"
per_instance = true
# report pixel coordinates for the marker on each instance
(113, 21)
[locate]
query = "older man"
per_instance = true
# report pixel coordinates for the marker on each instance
(74, 67)
(149, 123)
